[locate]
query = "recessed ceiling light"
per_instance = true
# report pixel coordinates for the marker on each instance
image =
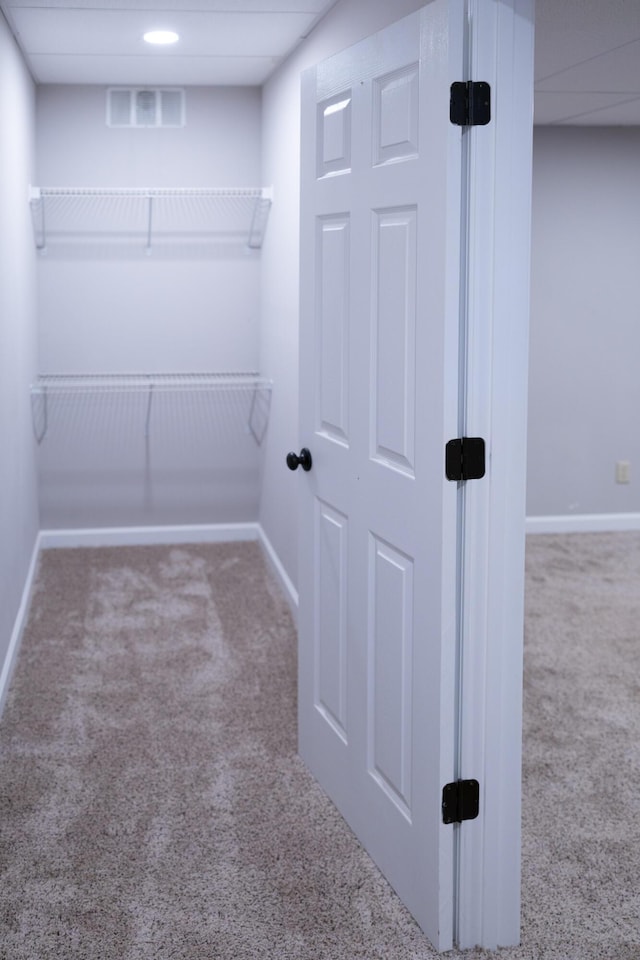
(161, 36)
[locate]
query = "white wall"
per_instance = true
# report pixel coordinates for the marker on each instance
(585, 321)
(346, 23)
(107, 307)
(18, 501)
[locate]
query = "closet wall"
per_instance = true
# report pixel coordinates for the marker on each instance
(584, 391)
(18, 495)
(108, 306)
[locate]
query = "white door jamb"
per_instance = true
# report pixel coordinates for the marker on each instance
(492, 582)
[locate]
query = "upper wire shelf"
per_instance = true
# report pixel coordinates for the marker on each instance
(141, 382)
(149, 214)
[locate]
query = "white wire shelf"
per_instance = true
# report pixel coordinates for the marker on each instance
(148, 215)
(61, 395)
(135, 382)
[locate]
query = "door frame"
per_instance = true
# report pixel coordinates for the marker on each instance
(495, 318)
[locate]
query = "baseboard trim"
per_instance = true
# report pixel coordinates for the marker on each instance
(143, 536)
(584, 523)
(19, 625)
(276, 565)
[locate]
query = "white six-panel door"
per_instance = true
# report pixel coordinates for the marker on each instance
(380, 307)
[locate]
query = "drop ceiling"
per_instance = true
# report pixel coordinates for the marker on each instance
(588, 62)
(587, 51)
(100, 41)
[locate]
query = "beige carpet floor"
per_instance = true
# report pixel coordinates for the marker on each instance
(152, 804)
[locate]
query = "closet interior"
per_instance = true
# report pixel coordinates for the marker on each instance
(149, 408)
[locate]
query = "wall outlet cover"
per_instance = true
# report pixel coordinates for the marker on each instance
(623, 471)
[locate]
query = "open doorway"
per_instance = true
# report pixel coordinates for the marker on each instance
(581, 724)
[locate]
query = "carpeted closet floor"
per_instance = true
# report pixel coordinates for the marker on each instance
(152, 804)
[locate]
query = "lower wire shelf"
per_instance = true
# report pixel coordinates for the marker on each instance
(243, 394)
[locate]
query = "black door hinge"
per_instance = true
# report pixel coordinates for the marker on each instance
(465, 459)
(460, 801)
(470, 103)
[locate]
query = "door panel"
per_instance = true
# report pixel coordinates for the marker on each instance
(332, 317)
(330, 667)
(334, 134)
(395, 115)
(390, 658)
(393, 338)
(380, 241)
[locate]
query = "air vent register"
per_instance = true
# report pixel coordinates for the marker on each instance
(144, 107)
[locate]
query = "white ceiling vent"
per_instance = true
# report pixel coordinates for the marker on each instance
(143, 107)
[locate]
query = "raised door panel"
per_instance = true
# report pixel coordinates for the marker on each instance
(333, 153)
(330, 654)
(390, 666)
(393, 338)
(395, 115)
(332, 327)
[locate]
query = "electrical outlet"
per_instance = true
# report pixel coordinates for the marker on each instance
(623, 471)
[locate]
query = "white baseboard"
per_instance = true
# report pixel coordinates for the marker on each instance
(19, 625)
(584, 523)
(276, 565)
(143, 536)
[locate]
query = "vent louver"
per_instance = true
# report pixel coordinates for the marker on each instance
(144, 107)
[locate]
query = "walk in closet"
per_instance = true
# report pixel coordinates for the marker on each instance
(149, 407)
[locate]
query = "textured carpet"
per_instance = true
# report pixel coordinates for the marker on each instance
(152, 804)
(581, 807)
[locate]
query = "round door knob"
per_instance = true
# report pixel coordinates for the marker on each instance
(303, 460)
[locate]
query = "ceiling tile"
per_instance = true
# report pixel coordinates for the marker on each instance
(625, 114)
(163, 71)
(616, 71)
(571, 31)
(561, 107)
(102, 32)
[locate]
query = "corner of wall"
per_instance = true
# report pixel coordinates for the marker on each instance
(13, 646)
(19, 516)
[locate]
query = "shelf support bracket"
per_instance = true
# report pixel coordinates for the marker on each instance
(147, 425)
(259, 413)
(38, 212)
(40, 400)
(149, 224)
(259, 217)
